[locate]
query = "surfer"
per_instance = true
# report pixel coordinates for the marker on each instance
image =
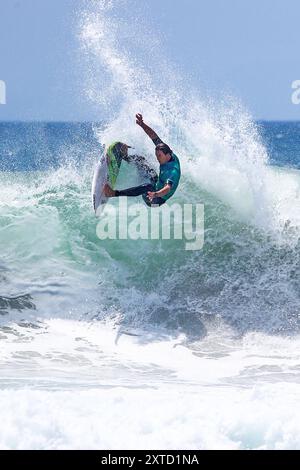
(160, 188)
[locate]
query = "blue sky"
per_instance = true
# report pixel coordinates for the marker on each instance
(249, 48)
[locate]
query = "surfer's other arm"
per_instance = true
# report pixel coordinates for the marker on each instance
(150, 132)
(162, 192)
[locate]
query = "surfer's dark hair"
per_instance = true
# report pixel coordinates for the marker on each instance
(164, 148)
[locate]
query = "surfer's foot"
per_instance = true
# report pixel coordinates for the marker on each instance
(108, 191)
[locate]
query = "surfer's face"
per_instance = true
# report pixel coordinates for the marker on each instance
(161, 156)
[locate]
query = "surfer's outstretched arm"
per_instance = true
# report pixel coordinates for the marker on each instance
(150, 132)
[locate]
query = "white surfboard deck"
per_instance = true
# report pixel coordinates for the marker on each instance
(100, 178)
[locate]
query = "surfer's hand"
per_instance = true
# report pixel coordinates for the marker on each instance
(139, 119)
(108, 191)
(151, 195)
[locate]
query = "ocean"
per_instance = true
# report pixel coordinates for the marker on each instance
(141, 344)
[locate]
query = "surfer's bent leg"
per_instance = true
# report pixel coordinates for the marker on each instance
(142, 191)
(135, 191)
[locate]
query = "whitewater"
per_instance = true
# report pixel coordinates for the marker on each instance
(140, 344)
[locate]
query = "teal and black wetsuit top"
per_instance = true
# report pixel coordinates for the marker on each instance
(169, 173)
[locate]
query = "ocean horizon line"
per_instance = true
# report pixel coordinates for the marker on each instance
(53, 121)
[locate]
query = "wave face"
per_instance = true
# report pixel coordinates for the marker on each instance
(110, 325)
(246, 275)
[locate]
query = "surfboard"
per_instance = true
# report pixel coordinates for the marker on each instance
(106, 171)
